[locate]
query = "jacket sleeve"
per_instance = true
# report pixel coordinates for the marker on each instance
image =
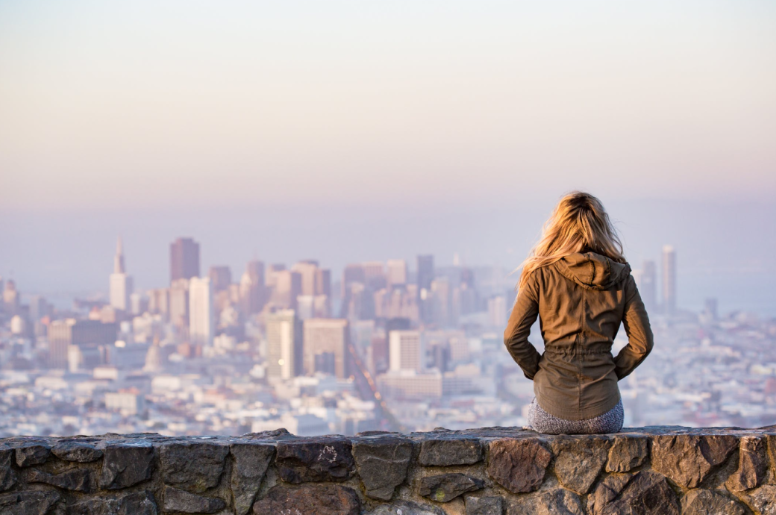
(639, 333)
(523, 316)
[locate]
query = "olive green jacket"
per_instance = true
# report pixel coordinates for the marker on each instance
(580, 301)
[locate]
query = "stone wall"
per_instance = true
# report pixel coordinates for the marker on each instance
(475, 472)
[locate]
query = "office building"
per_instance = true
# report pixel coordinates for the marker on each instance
(179, 303)
(201, 320)
(308, 272)
(184, 259)
(669, 280)
(325, 346)
(497, 312)
(284, 345)
(252, 288)
(288, 286)
(220, 278)
(406, 351)
(272, 271)
(88, 334)
(121, 287)
(397, 272)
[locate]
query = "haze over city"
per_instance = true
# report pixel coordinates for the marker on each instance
(357, 183)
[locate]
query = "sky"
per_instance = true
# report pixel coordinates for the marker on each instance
(350, 130)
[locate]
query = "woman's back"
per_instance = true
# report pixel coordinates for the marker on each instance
(581, 300)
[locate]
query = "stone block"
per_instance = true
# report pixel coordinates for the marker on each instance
(633, 494)
(446, 487)
(406, 508)
(32, 453)
(137, 503)
(181, 501)
(126, 464)
(706, 502)
(7, 475)
(382, 464)
(518, 465)
(551, 502)
(762, 499)
(689, 459)
(443, 452)
(73, 450)
(251, 461)
(579, 460)
(192, 465)
(752, 465)
(627, 453)
(324, 459)
(313, 499)
(74, 480)
(484, 505)
(28, 502)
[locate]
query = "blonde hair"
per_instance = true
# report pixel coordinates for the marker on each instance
(579, 223)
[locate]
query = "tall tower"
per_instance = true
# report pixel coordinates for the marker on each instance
(397, 272)
(200, 311)
(184, 259)
(648, 286)
(425, 277)
(121, 285)
(284, 345)
(669, 280)
(406, 351)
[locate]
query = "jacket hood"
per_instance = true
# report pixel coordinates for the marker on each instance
(593, 271)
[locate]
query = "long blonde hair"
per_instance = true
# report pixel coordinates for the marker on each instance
(579, 223)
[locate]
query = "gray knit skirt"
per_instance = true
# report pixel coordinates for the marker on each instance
(543, 422)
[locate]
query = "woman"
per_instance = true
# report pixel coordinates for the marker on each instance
(577, 281)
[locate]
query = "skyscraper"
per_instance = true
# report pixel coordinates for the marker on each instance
(425, 277)
(252, 289)
(120, 283)
(284, 345)
(288, 286)
(397, 272)
(406, 351)
(184, 259)
(669, 280)
(308, 271)
(220, 278)
(325, 344)
(201, 322)
(648, 286)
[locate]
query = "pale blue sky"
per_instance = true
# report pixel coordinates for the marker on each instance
(191, 103)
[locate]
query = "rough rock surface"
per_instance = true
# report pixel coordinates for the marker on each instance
(126, 464)
(518, 465)
(641, 493)
(763, 499)
(484, 505)
(251, 461)
(706, 502)
(75, 480)
(186, 502)
(317, 499)
(752, 464)
(325, 459)
(579, 461)
(688, 459)
(406, 508)
(487, 471)
(551, 502)
(176, 459)
(138, 503)
(382, 464)
(28, 503)
(626, 453)
(31, 454)
(73, 450)
(446, 487)
(442, 452)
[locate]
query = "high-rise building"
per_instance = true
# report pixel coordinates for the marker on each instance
(10, 297)
(220, 278)
(440, 302)
(669, 280)
(120, 283)
(374, 275)
(284, 345)
(288, 286)
(85, 334)
(397, 272)
(252, 288)
(648, 285)
(425, 278)
(497, 311)
(201, 321)
(325, 344)
(308, 271)
(178, 307)
(272, 271)
(184, 259)
(406, 351)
